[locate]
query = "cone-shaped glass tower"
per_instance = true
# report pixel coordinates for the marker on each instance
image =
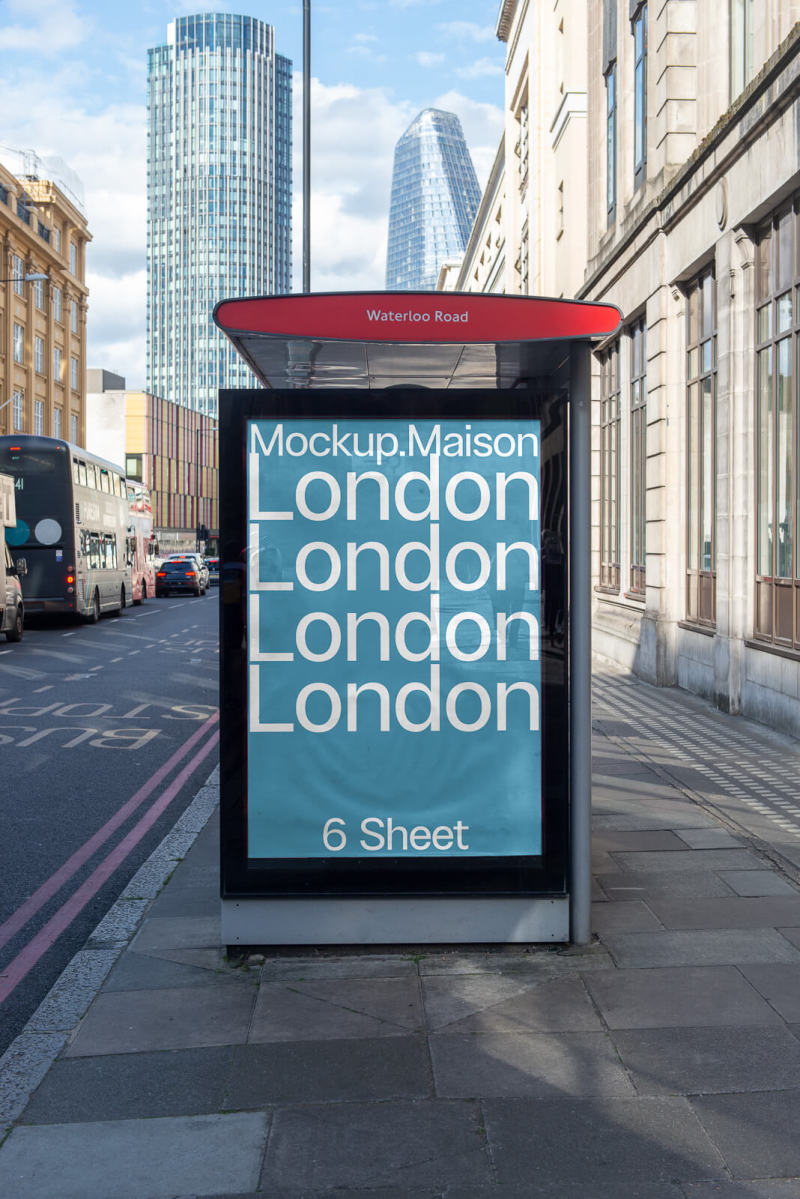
(435, 196)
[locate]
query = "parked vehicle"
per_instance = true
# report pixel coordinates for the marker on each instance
(12, 617)
(199, 565)
(178, 574)
(213, 570)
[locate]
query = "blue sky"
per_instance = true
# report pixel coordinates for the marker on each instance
(76, 70)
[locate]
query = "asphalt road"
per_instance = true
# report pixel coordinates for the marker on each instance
(99, 725)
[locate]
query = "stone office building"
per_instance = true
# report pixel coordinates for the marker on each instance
(652, 159)
(43, 298)
(693, 214)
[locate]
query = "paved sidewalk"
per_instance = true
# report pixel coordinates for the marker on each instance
(661, 1062)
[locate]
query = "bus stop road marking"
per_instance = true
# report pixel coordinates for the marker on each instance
(27, 958)
(48, 889)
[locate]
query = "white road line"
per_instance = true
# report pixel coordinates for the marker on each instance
(116, 659)
(72, 634)
(96, 668)
(39, 690)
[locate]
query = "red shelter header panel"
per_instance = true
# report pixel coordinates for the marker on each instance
(417, 317)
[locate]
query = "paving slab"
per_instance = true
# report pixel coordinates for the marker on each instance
(176, 1018)
(780, 986)
(683, 996)
(601, 1142)
(632, 812)
(758, 1133)
(757, 882)
(535, 1065)
(131, 1086)
(177, 932)
(689, 859)
(709, 838)
(144, 972)
(194, 1155)
(565, 1190)
(491, 1003)
(704, 1061)
(769, 911)
(623, 916)
(376, 1068)
(792, 935)
(303, 968)
(628, 840)
(752, 1188)
(395, 1144)
(336, 1008)
(636, 884)
(201, 898)
(700, 947)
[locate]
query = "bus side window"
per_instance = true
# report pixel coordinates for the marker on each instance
(82, 472)
(111, 552)
(75, 472)
(91, 481)
(94, 551)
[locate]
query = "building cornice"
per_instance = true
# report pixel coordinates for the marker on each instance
(505, 19)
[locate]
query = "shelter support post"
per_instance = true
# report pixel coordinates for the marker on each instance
(580, 638)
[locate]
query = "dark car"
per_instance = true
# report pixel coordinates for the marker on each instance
(178, 576)
(213, 570)
(196, 561)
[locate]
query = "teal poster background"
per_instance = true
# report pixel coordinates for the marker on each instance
(394, 682)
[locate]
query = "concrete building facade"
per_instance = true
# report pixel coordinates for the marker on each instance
(652, 160)
(694, 232)
(43, 232)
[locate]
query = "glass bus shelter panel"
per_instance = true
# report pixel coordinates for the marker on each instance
(394, 648)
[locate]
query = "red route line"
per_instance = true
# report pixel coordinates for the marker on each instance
(27, 958)
(31, 906)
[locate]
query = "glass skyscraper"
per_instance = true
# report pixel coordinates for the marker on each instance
(435, 196)
(219, 195)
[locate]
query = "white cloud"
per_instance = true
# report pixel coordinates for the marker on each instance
(466, 31)
(479, 68)
(426, 59)
(482, 125)
(116, 325)
(106, 148)
(47, 28)
(351, 175)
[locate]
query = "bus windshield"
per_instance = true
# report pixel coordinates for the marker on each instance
(42, 492)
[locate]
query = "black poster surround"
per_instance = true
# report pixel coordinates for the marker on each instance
(545, 875)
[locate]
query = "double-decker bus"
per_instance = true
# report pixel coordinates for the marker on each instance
(72, 527)
(141, 542)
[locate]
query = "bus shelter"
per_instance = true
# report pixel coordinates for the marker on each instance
(405, 619)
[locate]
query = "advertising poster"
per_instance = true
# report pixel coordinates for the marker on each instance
(393, 651)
